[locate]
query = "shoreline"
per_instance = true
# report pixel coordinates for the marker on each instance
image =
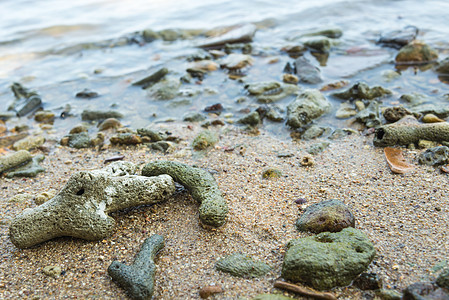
(397, 212)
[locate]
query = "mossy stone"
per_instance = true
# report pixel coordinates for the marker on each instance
(31, 169)
(204, 140)
(271, 173)
(328, 259)
(443, 279)
(416, 52)
(361, 91)
(241, 265)
(271, 297)
(251, 119)
(309, 105)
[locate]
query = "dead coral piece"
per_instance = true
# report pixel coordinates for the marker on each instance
(81, 208)
(396, 161)
(306, 292)
(307, 161)
(138, 279)
(409, 131)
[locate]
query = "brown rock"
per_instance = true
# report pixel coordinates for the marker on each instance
(207, 291)
(416, 52)
(109, 123)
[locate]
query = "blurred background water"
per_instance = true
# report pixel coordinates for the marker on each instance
(43, 44)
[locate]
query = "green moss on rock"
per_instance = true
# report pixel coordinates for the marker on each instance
(205, 140)
(241, 265)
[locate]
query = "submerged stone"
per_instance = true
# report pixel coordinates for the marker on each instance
(425, 291)
(399, 38)
(309, 105)
(330, 215)
(416, 52)
(138, 278)
(307, 72)
(152, 79)
(153, 135)
(272, 91)
(328, 259)
(81, 208)
(251, 119)
(318, 44)
(91, 115)
(29, 143)
(241, 265)
(443, 67)
(333, 33)
(361, 91)
(236, 61)
(165, 89)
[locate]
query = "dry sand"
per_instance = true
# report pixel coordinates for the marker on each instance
(405, 216)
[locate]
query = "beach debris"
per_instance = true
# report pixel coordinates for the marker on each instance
(109, 123)
(434, 156)
(26, 101)
(307, 72)
(308, 106)
(398, 38)
(361, 91)
(290, 78)
(138, 278)
(416, 52)
(242, 34)
(303, 291)
(431, 118)
(268, 296)
(201, 185)
(93, 115)
(209, 290)
(368, 281)
(29, 169)
(205, 140)
(52, 271)
(271, 173)
(328, 259)
(45, 196)
(409, 131)
(81, 208)
(241, 265)
(87, 94)
(270, 91)
(330, 215)
(425, 290)
(396, 161)
(28, 143)
(152, 79)
(307, 161)
(114, 158)
(14, 160)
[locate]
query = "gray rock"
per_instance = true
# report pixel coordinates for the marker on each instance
(416, 53)
(26, 100)
(165, 89)
(138, 279)
(394, 114)
(316, 148)
(153, 135)
(442, 111)
(386, 294)
(318, 44)
(425, 291)
(52, 271)
(333, 33)
(370, 116)
(194, 117)
(307, 72)
(434, 156)
(414, 99)
(309, 105)
(346, 110)
(443, 67)
(79, 140)
(14, 160)
(81, 208)
(313, 132)
(241, 265)
(29, 143)
(399, 38)
(91, 115)
(30, 169)
(205, 140)
(329, 215)
(152, 79)
(243, 34)
(328, 259)
(368, 281)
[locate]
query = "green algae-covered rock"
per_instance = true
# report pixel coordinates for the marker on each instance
(316, 148)
(271, 173)
(443, 279)
(29, 143)
(241, 265)
(165, 89)
(205, 140)
(309, 105)
(328, 259)
(443, 67)
(31, 169)
(79, 140)
(361, 91)
(91, 115)
(434, 156)
(138, 279)
(251, 119)
(330, 215)
(200, 183)
(271, 91)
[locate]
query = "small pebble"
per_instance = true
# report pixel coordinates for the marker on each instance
(207, 291)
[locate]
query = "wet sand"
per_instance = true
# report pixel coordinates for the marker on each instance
(405, 216)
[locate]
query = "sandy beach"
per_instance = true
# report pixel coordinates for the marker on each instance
(405, 216)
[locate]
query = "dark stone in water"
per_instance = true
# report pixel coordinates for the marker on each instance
(152, 79)
(243, 34)
(87, 94)
(368, 281)
(218, 107)
(26, 101)
(399, 38)
(307, 72)
(425, 291)
(91, 115)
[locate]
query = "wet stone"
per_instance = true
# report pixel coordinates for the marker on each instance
(387, 294)
(425, 291)
(204, 140)
(333, 33)
(236, 61)
(126, 139)
(318, 44)
(398, 38)
(44, 116)
(330, 215)
(90, 115)
(328, 259)
(416, 52)
(313, 132)
(31, 169)
(368, 281)
(153, 135)
(165, 89)
(316, 148)
(443, 67)
(87, 94)
(393, 114)
(207, 291)
(361, 91)
(29, 143)
(307, 72)
(434, 156)
(194, 117)
(152, 79)
(251, 119)
(241, 265)
(14, 160)
(110, 123)
(443, 279)
(78, 129)
(309, 105)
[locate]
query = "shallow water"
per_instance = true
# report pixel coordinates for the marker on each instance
(47, 46)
